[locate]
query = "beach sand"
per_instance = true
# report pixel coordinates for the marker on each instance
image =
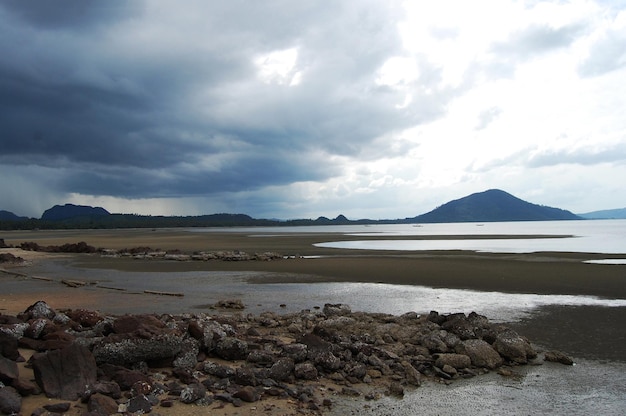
(589, 333)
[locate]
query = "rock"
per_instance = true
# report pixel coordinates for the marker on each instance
(282, 369)
(107, 388)
(433, 343)
(457, 361)
(143, 325)
(85, 318)
(328, 361)
(39, 309)
(10, 401)
(99, 404)
(139, 404)
(396, 389)
(245, 376)
(412, 376)
(8, 370)
(336, 309)
(218, 370)
(65, 373)
(305, 371)
(231, 348)
(208, 332)
(513, 347)
(8, 346)
(481, 353)
(57, 407)
(247, 394)
(230, 304)
(127, 349)
(188, 357)
(192, 393)
(558, 357)
(296, 351)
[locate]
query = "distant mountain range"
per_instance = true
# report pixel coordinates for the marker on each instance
(607, 214)
(488, 206)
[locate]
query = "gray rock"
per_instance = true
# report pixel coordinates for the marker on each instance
(513, 347)
(331, 309)
(305, 371)
(231, 348)
(328, 361)
(128, 349)
(457, 361)
(139, 404)
(558, 357)
(192, 393)
(282, 369)
(481, 353)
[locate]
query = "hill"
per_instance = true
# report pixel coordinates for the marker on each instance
(607, 214)
(9, 216)
(490, 206)
(69, 211)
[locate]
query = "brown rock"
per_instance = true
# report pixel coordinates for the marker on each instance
(481, 353)
(101, 405)
(65, 373)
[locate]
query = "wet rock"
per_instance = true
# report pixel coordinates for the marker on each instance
(85, 318)
(230, 304)
(481, 353)
(262, 358)
(558, 357)
(208, 332)
(10, 401)
(65, 373)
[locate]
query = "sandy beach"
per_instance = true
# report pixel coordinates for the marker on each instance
(593, 334)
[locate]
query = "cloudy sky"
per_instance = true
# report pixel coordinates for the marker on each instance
(296, 109)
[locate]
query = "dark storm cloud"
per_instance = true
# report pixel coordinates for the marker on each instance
(66, 14)
(144, 101)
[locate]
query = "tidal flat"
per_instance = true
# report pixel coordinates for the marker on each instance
(554, 299)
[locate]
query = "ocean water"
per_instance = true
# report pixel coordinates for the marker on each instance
(601, 236)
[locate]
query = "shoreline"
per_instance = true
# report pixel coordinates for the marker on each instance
(593, 335)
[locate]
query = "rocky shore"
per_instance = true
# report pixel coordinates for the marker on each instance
(98, 364)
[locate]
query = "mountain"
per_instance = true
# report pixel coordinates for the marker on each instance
(9, 216)
(68, 211)
(607, 214)
(492, 205)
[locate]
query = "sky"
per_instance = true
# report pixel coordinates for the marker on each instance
(299, 109)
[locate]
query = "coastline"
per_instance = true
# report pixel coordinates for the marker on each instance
(593, 335)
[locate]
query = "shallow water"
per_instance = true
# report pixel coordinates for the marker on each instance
(575, 324)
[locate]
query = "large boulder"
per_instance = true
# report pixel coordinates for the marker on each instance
(65, 373)
(8, 370)
(480, 352)
(514, 347)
